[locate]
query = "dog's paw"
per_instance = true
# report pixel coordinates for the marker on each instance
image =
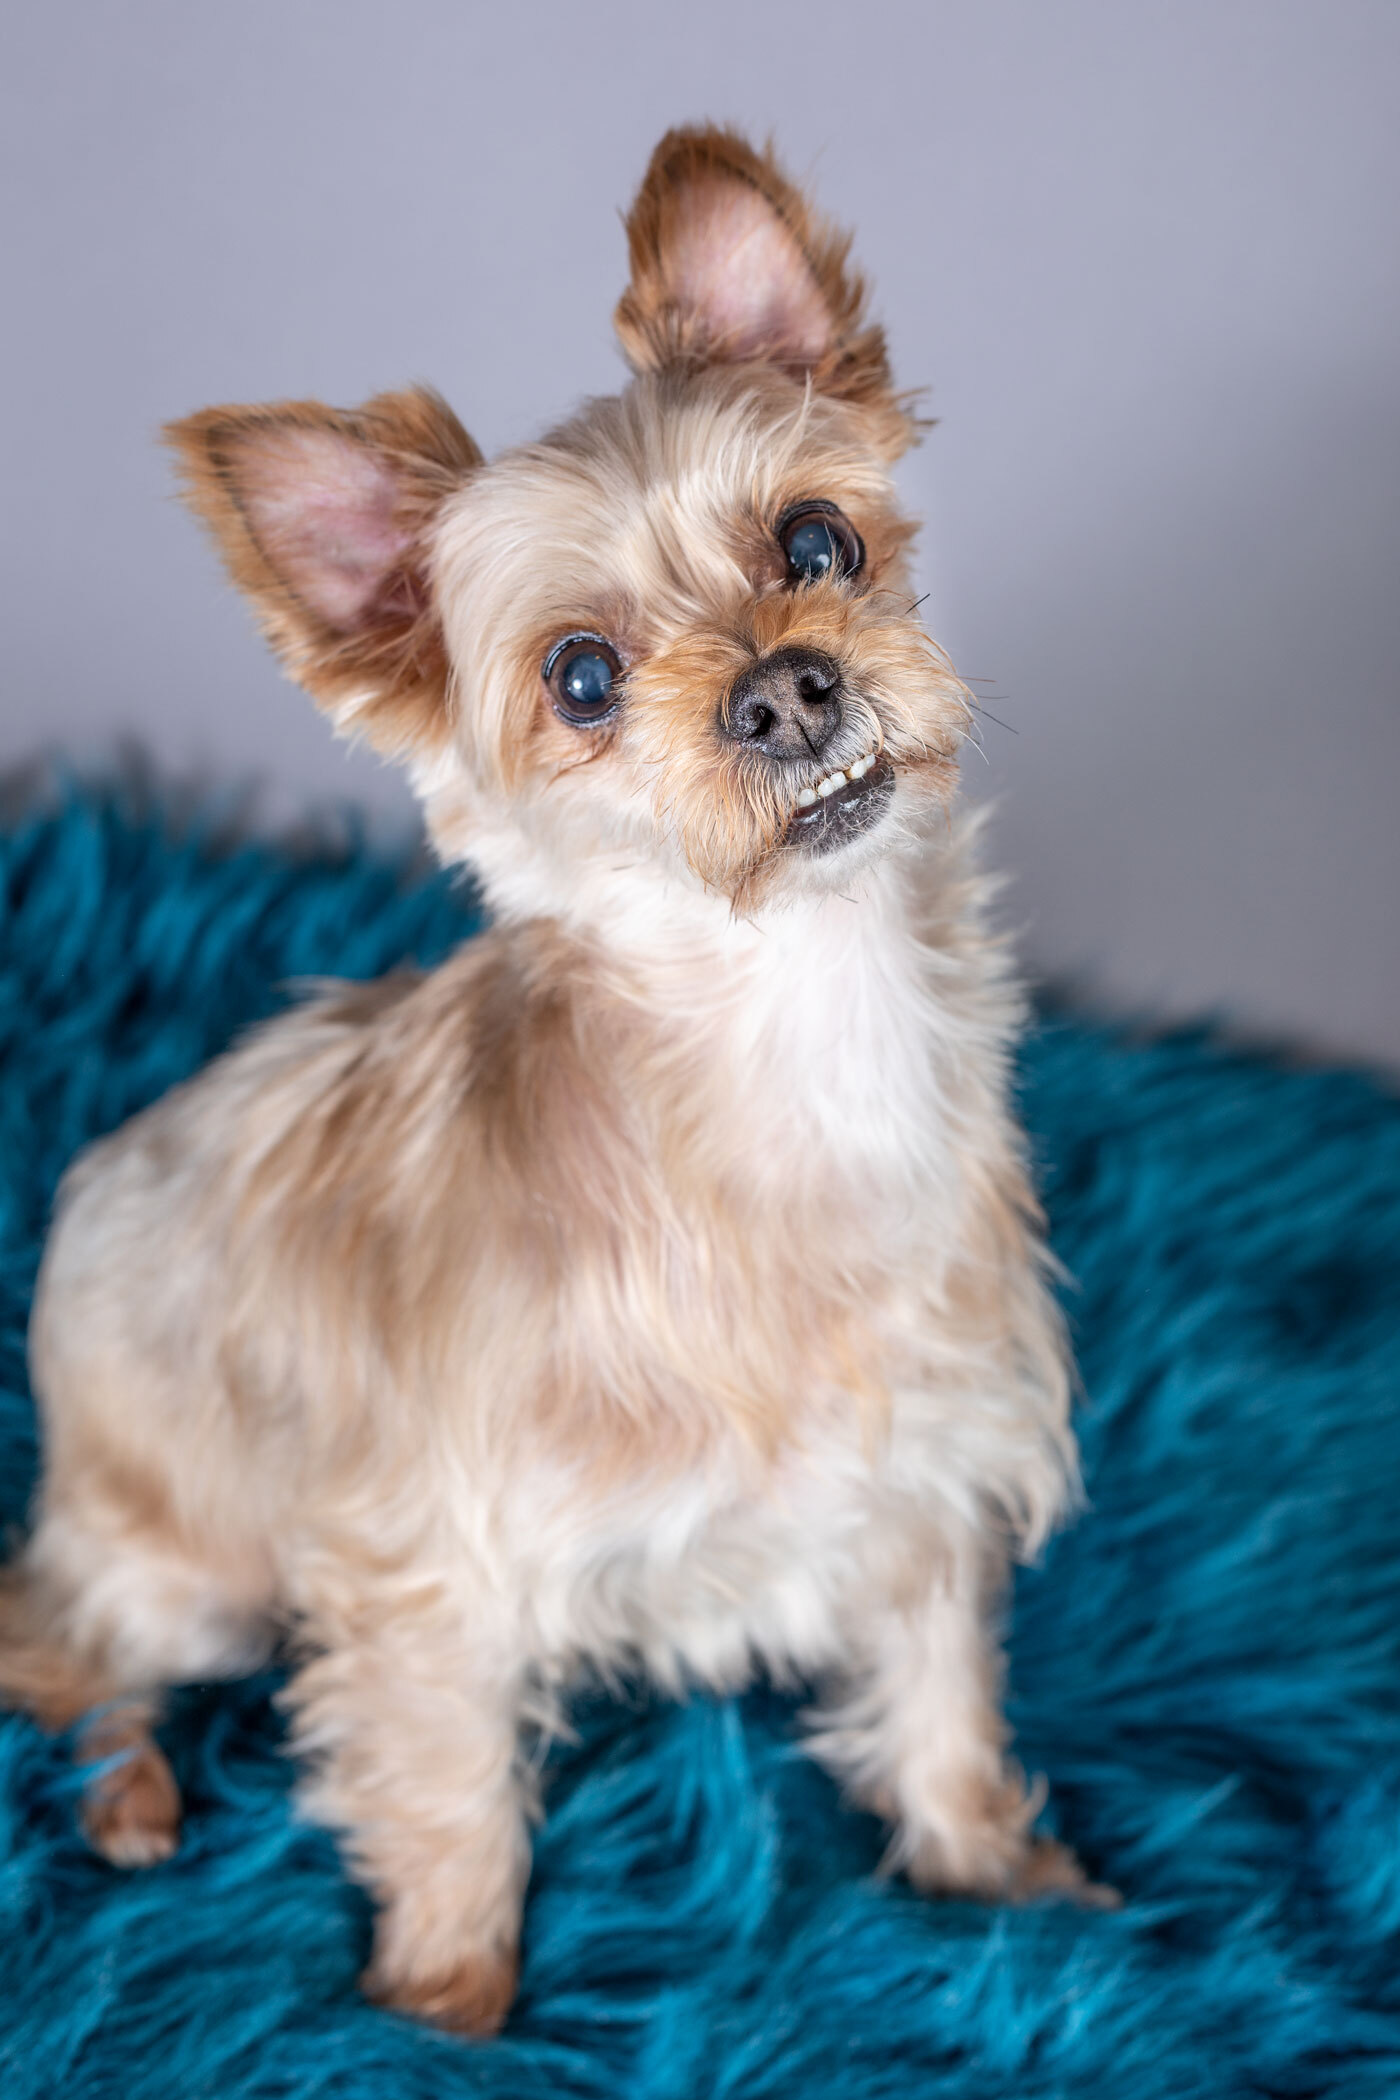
(988, 1850)
(131, 1810)
(471, 1998)
(1050, 1872)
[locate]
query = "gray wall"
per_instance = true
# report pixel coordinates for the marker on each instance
(1144, 256)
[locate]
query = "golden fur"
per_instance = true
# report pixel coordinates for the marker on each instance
(657, 1284)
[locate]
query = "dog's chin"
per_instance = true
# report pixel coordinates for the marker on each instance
(848, 814)
(891, 810)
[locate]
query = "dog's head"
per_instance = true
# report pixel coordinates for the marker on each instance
(677, 633)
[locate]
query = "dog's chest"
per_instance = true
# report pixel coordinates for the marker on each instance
(707, 1575)
(833, 1044)
(794, 1289)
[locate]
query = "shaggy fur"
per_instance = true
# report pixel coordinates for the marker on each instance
(656, 1286)
(1208, 1670)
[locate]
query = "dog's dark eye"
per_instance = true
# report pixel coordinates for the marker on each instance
(818, 541)
(583, 675)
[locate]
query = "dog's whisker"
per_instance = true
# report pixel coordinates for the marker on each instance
(987, 715)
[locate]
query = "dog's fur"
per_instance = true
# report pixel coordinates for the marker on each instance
(655, 1285)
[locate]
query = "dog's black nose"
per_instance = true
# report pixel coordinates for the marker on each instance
(787, 705)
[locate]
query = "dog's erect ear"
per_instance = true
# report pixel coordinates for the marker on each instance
(730, 264)
(323, 517)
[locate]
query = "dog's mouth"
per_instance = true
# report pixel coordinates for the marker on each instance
(842, 805)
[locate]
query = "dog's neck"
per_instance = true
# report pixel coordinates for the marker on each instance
(834, 1018)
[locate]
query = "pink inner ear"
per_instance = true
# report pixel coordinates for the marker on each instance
(322, 506)
(738, 269)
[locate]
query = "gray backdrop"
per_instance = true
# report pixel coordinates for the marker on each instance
(1144, 256)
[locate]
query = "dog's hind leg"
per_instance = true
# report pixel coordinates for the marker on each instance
(94, 1623)
(131, 1803)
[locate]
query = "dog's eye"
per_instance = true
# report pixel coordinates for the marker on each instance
(818, 541)
(583, 675)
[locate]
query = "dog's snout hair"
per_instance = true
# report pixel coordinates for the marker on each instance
(787, 705)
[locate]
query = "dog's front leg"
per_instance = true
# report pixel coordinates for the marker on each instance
(916, 1733)
(416, 1761)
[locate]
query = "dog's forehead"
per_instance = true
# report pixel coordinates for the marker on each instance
(661, 484)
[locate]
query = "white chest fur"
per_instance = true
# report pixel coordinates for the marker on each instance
(851, 1048)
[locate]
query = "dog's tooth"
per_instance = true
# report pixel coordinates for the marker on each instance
(862, 767)
(806, 797)
(831, 783)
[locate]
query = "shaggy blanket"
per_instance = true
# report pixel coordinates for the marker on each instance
(1207, 1667)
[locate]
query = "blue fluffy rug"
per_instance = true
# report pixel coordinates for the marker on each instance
(1207, 1668)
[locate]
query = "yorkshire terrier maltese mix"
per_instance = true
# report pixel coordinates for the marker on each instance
(656, 1286)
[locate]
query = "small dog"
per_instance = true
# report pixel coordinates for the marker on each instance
(655, 1286)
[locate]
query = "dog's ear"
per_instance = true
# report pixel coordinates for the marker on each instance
(324, 518)
(731, 264)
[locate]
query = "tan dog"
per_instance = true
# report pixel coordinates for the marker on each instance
(657, 1284)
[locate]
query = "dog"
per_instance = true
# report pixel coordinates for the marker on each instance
(655, 1287)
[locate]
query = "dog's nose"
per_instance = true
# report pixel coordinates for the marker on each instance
(787, 705)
